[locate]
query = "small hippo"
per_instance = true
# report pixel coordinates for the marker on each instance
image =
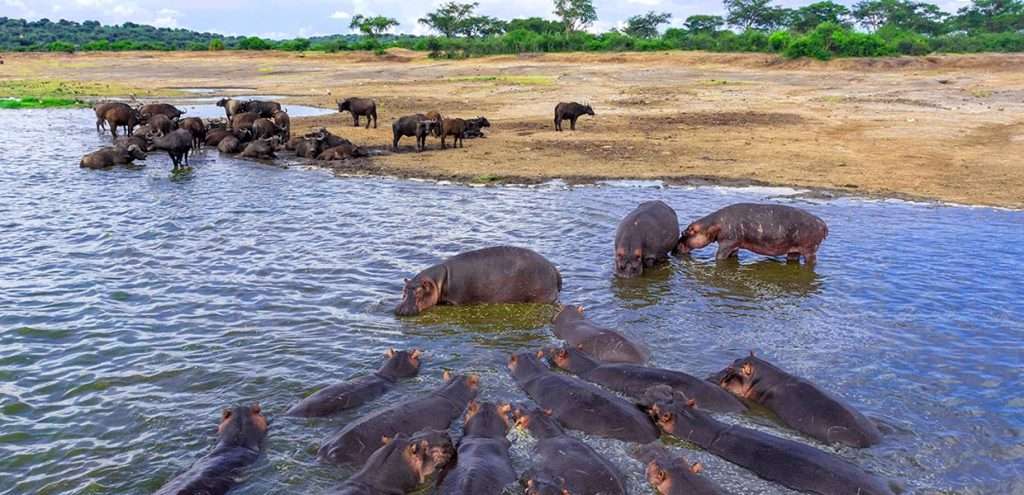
(562, 464)
(633, 380)
(771, 230)
(433, 411)
(799, 403)
(793, 464)
(603, 344)
(401, 465)
(645, 237)
(483, 465)
(358, 391)
(580, 405)
(240, 438)
(672, 474)
(502, 274)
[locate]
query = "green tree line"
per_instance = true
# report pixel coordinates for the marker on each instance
(822, 30)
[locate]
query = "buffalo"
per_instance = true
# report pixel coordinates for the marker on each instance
(414, 125)
(231, 106)
(177, 145)
(570, 112)
(453, 127)
(264, 109)
(197, 128)
(359, 106)
(172, 112)
(112, 155)
(121, 115)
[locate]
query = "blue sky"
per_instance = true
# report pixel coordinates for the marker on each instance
(293, 18)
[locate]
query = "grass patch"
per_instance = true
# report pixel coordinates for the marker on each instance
(514, 80)
(27, 103)
(55, 88)
(980, 92)
(485, 179)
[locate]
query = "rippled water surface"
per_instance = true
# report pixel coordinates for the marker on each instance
(135, 304)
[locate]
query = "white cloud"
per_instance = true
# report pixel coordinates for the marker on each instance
(340, 14)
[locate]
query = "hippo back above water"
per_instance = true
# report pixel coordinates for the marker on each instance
(502, 274)
(645, 237)
(603, 344)
(771, 230)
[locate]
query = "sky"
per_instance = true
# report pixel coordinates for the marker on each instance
(280, 19)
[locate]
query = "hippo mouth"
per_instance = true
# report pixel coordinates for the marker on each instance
(406, 310)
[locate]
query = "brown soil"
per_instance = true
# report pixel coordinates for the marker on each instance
(941, 127)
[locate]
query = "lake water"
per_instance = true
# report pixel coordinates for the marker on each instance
(136, 304)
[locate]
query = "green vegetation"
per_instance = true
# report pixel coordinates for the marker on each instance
(23, 103)
(53, 88)
(823, 30)
(513, 80)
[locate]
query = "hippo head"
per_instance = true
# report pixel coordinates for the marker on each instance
(537, 421)
(424, 453)
(630, 260)
(567, 314)
(487, 419)
(571, 359)
(243, 426)
(402, 364)
(419, 294)
(535, 483)
(526, 364)
(659, 471)
(742, 376)
(698, 235)
(460, 388)
(675, 414)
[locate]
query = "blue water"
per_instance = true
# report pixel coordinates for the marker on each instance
(136, 304)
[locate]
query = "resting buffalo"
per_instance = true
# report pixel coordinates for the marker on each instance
(263, 128)
(328, 140)
(308, 148)
(284, 122)
(502, 274)
(359, 106)
(262, 108)
(177, 145)
(341, 152)
(231, 106)
(230, 145)
(570, 112)
(167, 109)
(121, 115)
(262, 149)
(474, 127)
(243, 120)
(215, 136)
(112, 155)
(453, 127)
(137, 140)
(197, 128)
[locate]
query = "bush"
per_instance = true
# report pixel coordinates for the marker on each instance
(780, 40)
(254, 43)
(295, 45)
(61, 46)
(216, 45)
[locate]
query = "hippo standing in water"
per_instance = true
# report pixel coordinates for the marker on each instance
(401, 465)
(358, 391)
(562, 463)
(239, 443)
(671, 474)
(633, 380)
(580, 405)
(434, 411)
(792, 464)
(645, 237)
(483, 465)
(771, 230)
(798, 403)
(603, 344)
(502, 274)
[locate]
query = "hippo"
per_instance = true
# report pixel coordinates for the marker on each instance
(793, 464)
(603, 344)
(483, 465)
(239, 443)
(401, 465)
(580, 405)
(771, 230)
(633, 380)
(645, 237)
(502, 274)
(358, 391)
(359, 106)
(563, 464)
(570, 112)
(800, 404)
(435, 411)
(672, 474)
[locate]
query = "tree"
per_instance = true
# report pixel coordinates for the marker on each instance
(575, 14)
(646, 25)
(372, 26)
(535, 24)
(450, 19)
(918, 17)
(755, 14)
(805, 19)
(993, 16)
(704, 23)
(216, 45)
(253, 43)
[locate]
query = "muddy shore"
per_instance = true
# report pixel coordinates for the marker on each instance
(948, 128)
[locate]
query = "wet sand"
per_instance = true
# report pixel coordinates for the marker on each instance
(948, 128)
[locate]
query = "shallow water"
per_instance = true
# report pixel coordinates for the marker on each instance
(136, 304)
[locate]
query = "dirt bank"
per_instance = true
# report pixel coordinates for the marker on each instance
(944, 127)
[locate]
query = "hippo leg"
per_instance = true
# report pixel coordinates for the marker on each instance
(793, 258)
(727, 249)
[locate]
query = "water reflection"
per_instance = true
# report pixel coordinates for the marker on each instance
(648, 289)
(760, 280)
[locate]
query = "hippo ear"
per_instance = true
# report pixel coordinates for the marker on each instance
(752, 354)
(471, 409)
(504, 408)
(446, 376)
(384, 439)
(697, 468)
(691, 403)
(540, 354)
(512, 359)
(563, 354)
(659, 474)
(747, 369)
(225, 414)
(547, 412)
(255, 408)
(390, 353)
(579, 309)
(416, 353)
(473, 380)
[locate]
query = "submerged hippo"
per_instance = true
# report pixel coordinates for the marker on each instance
(799, 403)
(603, 344)
(633, 380)
(433, 411)
(358, 391)
(401, 465)
(562, 464)
(771, 230)
(645, 237)
(240, 438)
(580, 405)
(502, 274)
(483, 465)
(792, 464)
(671, 474)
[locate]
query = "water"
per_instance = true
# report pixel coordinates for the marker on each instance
(136, 304)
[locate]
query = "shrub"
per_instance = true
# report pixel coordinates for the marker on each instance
(780, 40)
(216, 45)
(61, 46)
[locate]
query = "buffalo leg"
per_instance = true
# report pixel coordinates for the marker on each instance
(374, 115)
(572, 124)
(355, 120)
